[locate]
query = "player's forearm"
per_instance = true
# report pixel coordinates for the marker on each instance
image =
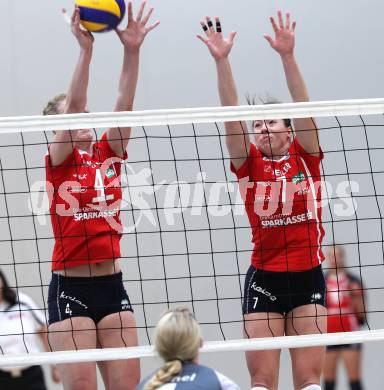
(128, 80)
(359, 304)
(226, 83)
(43, 334)
(295, 81)
(77, 94)
(237, 138)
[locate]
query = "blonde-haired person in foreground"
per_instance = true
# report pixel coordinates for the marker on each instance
(177, 340)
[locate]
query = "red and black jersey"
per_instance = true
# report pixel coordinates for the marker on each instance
(340, 309)
(85, 196)
(282, 200)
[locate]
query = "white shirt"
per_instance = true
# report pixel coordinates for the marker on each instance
(18, 327)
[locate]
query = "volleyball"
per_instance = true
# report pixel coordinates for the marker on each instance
(101, 15)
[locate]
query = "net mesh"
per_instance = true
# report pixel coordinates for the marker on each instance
(186, 238)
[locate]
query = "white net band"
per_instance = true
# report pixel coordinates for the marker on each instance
(191, 115)
(106, 354)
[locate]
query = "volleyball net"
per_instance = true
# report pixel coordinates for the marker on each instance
(186, 238)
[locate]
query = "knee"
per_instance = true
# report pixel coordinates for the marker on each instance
(126, 379)
(82, 384)
(262, 377)
(308, 377)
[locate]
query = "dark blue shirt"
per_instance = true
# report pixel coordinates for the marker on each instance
(195, 377)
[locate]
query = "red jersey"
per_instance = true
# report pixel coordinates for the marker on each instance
(282, 199)
(85, 196)
(340, 310)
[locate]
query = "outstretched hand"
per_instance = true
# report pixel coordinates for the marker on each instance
(84, 37)
(284, 41)
(134, 34)
(218, 45)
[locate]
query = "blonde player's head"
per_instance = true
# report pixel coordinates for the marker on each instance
(177, 340)
(56, 105)
(83, 138)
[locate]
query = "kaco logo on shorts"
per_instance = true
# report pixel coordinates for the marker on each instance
(263, 291)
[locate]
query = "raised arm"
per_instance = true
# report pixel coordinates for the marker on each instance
(284, 44)
(76, 100)
(237, 135)
(132, 38)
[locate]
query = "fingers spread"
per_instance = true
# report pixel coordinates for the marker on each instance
(75, 20)
(287, 21)
(274, 25)
(154, 25)
(269, 39)
(202, 38)
(140, 13)
(147, 16)
(204, 27)
(280, 17)
(218, 24)
(232, 36)
(73, 15)
(210, 24)
(130, 12)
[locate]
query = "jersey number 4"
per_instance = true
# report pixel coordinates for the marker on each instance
(100, 188)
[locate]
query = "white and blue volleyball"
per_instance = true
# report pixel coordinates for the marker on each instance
(101, 15)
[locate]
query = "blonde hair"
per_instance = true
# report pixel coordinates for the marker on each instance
(177, 340)
(54, 106)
